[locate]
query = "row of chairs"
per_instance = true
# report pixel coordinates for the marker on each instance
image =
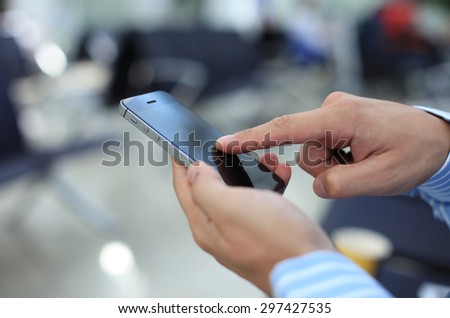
(18, 160)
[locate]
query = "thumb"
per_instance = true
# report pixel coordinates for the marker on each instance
(207, 173)
(218, 201)
(208, 189)
(367, 177)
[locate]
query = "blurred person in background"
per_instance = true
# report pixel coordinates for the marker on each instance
(265, 239)
(391, 43)
(308, 36)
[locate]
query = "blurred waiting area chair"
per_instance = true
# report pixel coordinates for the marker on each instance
(17, 160)
(193, 63)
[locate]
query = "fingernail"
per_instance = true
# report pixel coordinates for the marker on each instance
(177, 162)
(322, 192)
(222, 141)
(193, 172)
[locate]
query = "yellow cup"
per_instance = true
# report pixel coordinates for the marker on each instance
(365, 247)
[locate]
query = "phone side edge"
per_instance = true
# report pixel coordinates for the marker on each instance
(154, 135)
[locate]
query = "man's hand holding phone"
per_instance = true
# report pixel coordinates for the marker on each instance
(247, 230)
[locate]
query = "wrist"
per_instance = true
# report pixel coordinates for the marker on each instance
(433, 144)
(441, 123)
(442, 128)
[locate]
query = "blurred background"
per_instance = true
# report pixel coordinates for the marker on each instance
(71, 227)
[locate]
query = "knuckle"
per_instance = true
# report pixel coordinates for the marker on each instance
(342, 101)
(243, 134)
(334, 97)
(282, 122)
(200, 242)
(246, 133)
(246, 139)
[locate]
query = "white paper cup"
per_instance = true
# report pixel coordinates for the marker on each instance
(365, 247)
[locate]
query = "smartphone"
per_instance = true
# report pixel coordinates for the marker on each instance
(188, 138)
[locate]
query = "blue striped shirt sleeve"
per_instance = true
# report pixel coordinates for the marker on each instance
(436, 191)
(323, 274)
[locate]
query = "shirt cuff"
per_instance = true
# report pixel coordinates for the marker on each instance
(438, 186)
(323, 274)
(436, 190)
